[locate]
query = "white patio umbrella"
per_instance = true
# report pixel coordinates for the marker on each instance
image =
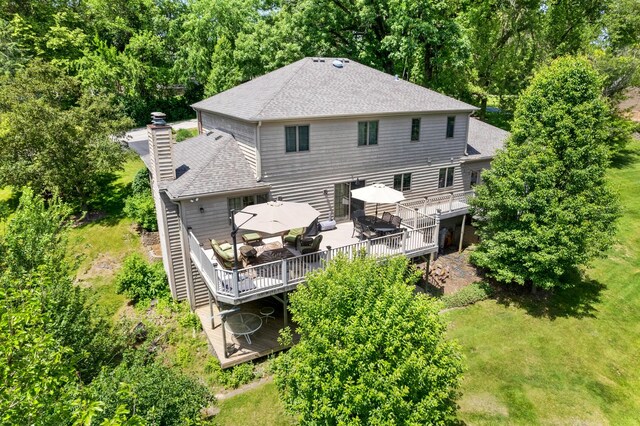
(377, 193)
(275, 217)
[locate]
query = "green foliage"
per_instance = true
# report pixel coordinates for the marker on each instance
(55, 138)
(183, 134)
(545, 207)
(156, 393)
(468, 295)
(142, 281)
(142, 210)
(230, 378)
(140, 205)
(370, 351)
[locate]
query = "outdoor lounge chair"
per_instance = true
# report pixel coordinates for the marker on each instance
(224, 253)
(308, 245)
(292, 236)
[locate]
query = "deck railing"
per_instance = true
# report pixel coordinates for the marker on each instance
(282, 275)
(446, 203)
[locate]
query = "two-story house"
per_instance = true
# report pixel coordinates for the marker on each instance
(310, 132)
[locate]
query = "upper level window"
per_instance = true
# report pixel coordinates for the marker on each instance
(367, 133)
(451, 124)
(445, 178)
(415, 129)
(239, 203)
(402, 182)
(296, 138)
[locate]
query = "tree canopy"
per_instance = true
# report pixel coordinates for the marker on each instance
(545, 207)
(370, 351)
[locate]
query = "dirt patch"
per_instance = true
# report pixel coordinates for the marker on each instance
(450, 272)
(104, 265)
(88, 218)
(484, 403)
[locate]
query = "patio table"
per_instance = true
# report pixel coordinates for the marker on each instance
(380, 226)
(243, 324)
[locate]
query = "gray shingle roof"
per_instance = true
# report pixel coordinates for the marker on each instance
(209, 163)
(484, 140)
(313, 87)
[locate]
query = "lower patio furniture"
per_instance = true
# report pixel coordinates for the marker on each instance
(252, 238)
(290, 237)
(267, 312)
(243, 324)
(309, 245)
(223, 252)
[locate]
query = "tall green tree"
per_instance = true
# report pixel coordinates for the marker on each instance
(56, 137)
(545, 207)
(370, 351)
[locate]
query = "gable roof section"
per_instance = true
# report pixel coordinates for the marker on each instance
(314, 88)
(484, 140)
(207, 164)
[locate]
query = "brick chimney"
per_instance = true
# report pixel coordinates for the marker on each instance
(161, 148)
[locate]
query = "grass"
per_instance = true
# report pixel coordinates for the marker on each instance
(256, 407)
(571, 358)
(182, 134)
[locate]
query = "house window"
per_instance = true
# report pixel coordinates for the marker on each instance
(451, 124)
(415, 129)
(296, 138)
(445, 178)
(402, 182)
(474, 179)
(367, 133)
(239, 203)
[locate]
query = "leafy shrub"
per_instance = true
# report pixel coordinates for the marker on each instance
(468, 295)
(190, 320)
(142, 210)
(141, 183)
(231, 378)
(158, 394)
(140, 280)
(183, 134)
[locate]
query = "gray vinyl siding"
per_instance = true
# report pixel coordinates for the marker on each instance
(334, 150)
(334, 157)
(200, 290)
(243, 132)
(171, 242)
(467, 168)
(212, 223)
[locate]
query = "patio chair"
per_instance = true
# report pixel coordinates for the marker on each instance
(396, 221)
(362, 230)
(357, 214)
(386, 216)
(309, 245)
(292, 236)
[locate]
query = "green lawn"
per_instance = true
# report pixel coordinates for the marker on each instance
(573, 359)
(257, 407)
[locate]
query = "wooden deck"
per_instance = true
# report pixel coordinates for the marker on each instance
(263, 342)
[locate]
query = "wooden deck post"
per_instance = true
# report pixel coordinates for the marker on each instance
(436, 235)
(451, 201)
(464, 219)
(213, 321)
(286, 302)
(328, 253)
(284, 271)
(415, 218)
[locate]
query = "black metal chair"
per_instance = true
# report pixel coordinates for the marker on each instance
(358, 214)
(386, 216)
(362, 230)
(396, 221)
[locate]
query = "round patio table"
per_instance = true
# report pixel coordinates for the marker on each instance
(243, 324)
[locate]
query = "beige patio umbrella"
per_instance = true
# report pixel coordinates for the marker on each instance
(377, 193)
(275, 217)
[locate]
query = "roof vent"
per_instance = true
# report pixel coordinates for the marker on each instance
(158, 118)
(338, 63)
(321, 60)
(218, 137)
(315, 59)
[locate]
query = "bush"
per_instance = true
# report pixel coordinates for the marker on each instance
(232, 378)
(183, 134)
(468, 295)
(141, 281)
(142, 210)
(141, 183)
(158, 394)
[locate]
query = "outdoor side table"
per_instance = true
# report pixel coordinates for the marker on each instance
(243, 324)
(267, 312)
(252, 238)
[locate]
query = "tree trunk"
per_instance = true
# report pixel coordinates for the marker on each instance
(483, 108)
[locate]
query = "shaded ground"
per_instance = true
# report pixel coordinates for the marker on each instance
(450, 272)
